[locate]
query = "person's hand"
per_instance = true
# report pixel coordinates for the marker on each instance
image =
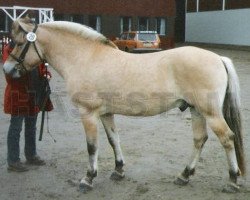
(47, 76)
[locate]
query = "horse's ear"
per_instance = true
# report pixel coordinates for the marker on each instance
(26, 24)
(20, 27)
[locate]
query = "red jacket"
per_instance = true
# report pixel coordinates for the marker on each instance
(6, 52)
(20, 95)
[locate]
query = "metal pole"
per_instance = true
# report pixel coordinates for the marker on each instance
(51, 15)
(14, 14)
(45, 14)
(186, 3)
(40, 16)
(197, 5)
(223, 4)
(22, 13)
(6, 23)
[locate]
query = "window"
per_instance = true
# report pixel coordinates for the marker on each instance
(147, 37)
(131, 36)
(63, 17)
(78, 19)
(124, 36)
(58, 17)
(143, 24)
(161, 26)
(125, 24)
(191, 5)
(95, 22)
(237, 4)
(211, 5)
(2, 21)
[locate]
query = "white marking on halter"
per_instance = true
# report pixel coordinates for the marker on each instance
(31, 37)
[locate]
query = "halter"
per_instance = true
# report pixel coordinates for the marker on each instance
(31, 38)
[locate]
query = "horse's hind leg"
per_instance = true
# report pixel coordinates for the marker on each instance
(200, 137)
(90, 124)
(113, 137)
(226, 137)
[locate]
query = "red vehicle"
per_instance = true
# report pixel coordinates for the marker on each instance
(139, 41)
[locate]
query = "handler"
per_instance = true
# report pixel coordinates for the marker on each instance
(21, 101)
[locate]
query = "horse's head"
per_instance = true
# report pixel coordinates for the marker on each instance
(26, 54)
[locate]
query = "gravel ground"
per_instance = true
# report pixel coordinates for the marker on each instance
(156, 149)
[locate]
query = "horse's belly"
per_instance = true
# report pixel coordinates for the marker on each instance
(139, 107)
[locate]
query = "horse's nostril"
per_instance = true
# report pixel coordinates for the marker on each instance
(9, 69)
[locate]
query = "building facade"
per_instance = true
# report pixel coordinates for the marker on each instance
(218, 22)
(110, 17)
(213, 5)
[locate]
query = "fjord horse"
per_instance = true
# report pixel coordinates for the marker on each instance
(102, 81)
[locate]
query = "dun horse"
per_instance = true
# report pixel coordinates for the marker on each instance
(102, 81)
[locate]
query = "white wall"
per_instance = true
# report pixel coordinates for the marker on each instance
(219, 27)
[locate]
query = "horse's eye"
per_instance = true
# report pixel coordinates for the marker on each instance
(19, 45)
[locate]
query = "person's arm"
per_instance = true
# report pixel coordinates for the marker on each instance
(6, 52)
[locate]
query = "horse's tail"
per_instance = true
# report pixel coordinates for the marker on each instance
(231, 111)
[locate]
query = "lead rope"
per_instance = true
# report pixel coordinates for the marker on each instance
(48, 91)
(48, 131)
(54, 140)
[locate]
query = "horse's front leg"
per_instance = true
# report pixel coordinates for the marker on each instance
(113, 137)
(90, 124)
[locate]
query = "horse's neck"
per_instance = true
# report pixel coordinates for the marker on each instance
(65, 53)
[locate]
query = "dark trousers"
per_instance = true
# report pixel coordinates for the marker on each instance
(15, 128)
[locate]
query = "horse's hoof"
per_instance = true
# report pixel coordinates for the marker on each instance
(231, 188)
(181, 181)
(116, 176)
(85, 187)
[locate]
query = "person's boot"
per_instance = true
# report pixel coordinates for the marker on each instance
(36, 160)
(17, 167)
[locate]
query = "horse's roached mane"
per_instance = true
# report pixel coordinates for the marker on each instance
(81, 30)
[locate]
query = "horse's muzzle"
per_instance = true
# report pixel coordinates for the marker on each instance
(10, 70)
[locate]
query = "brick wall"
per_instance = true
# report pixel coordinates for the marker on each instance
(110, 12)
(159, 8)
